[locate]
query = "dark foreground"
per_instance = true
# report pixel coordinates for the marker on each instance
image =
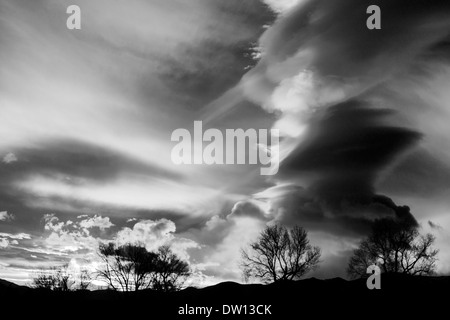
(402, 297)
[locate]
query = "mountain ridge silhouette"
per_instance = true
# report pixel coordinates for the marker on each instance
(400, 295)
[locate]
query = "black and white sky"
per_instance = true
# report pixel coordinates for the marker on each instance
(86, 118)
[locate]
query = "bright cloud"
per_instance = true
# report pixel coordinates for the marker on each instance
(9, 158)
(97, 221)
(70, 236)
(282, 6)
(5, 216)
(4, 243)
(154, 234)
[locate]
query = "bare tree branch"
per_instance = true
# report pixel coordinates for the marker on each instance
(279, 254)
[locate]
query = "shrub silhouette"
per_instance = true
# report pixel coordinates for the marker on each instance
(55, 278)
(61, 279)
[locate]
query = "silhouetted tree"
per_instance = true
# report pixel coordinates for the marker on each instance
(171, 271)
(280, 254)
(395, 246)
(132, 267)
(127, 267)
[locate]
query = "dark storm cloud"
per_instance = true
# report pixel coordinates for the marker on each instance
(350, 215)
(339, 160)
(346, 148)
(341, 157)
